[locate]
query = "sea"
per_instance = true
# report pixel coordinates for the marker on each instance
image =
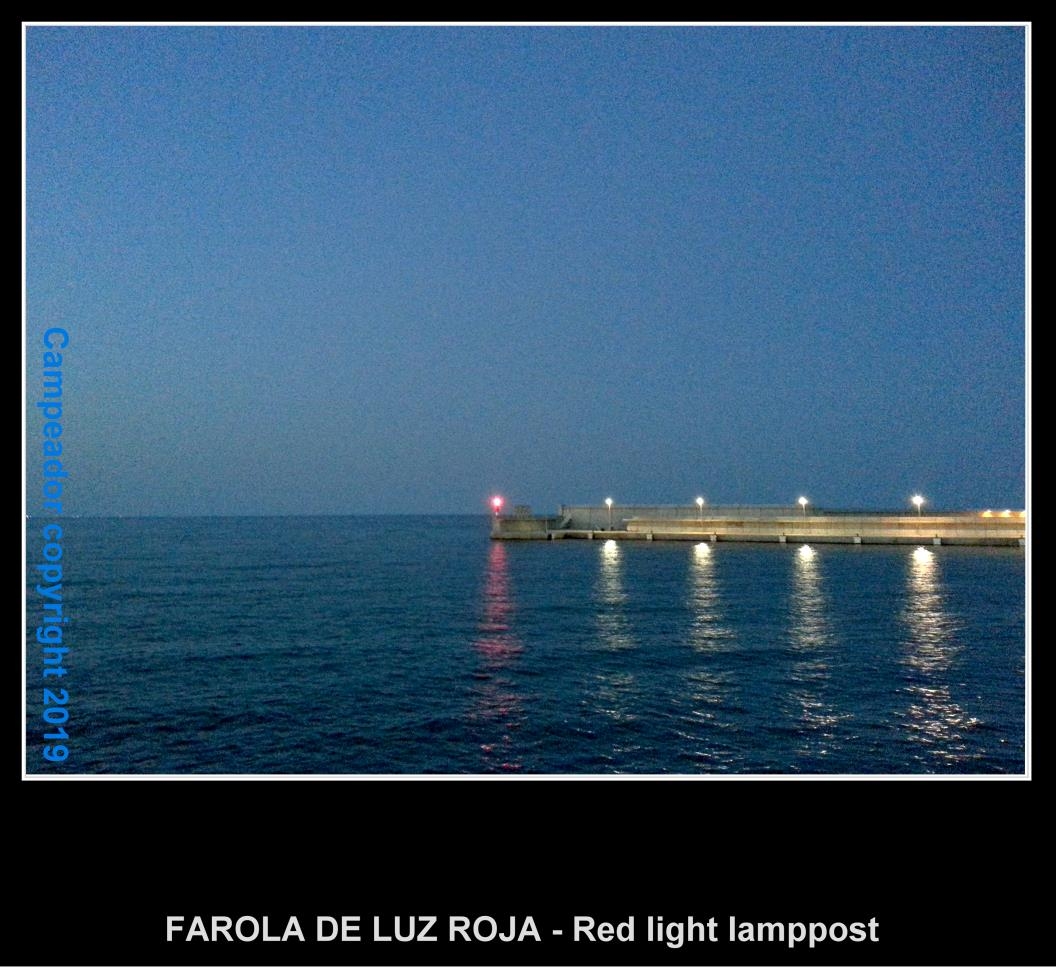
(415, 645)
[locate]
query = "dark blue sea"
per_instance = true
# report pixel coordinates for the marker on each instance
(414, 645)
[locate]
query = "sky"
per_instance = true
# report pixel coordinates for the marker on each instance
(351, 270)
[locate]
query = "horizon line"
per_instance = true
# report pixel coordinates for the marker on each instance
(817, 509)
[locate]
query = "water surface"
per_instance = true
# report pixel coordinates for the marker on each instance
(369, 645)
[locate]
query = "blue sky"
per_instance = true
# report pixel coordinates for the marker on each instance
(371, 270)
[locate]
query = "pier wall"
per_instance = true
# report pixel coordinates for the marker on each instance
(860, 529)
(587, 517)
(521, 528)
(779, 524)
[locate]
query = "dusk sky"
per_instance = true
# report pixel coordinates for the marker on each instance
(373, 270)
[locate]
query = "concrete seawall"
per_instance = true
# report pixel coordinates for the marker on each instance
(652, 523)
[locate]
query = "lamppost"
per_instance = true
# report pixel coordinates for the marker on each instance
(803, 504)
(608, 504)
(496, 503)
(918, 501)
(700, 508)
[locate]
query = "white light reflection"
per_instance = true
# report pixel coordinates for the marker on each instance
(708, 632)
(498, 709)
(706, 726)
(612, 597)
(614, 685)
(812, 643)
(612, 621)
(933, 719)
(809, 629)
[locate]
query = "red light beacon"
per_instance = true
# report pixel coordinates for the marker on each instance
(496, 503)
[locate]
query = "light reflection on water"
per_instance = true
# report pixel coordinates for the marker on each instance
(812, 642)
(720, 664)
(712, 689)
(933, 719)
(810, 626)
(614, 686)
(708, 632)
(498, 708)
(613, 627)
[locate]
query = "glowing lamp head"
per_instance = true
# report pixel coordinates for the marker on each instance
(917, 500)
(496, 503)
(608, 502)
(803, 502)
(700, 502)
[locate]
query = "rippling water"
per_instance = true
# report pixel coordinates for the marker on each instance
(416, 645)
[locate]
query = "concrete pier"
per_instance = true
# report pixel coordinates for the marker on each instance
(777, 524)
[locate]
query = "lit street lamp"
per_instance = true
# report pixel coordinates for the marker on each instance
(496, 503)
(700, 507)
(803, 504)
(918, 501)
(608, 503)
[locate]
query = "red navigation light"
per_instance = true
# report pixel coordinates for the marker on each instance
(496, 503)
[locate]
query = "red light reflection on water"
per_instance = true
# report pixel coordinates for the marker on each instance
(498, 705)
(494, 637)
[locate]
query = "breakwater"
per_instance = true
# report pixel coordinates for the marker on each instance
(757, 523)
